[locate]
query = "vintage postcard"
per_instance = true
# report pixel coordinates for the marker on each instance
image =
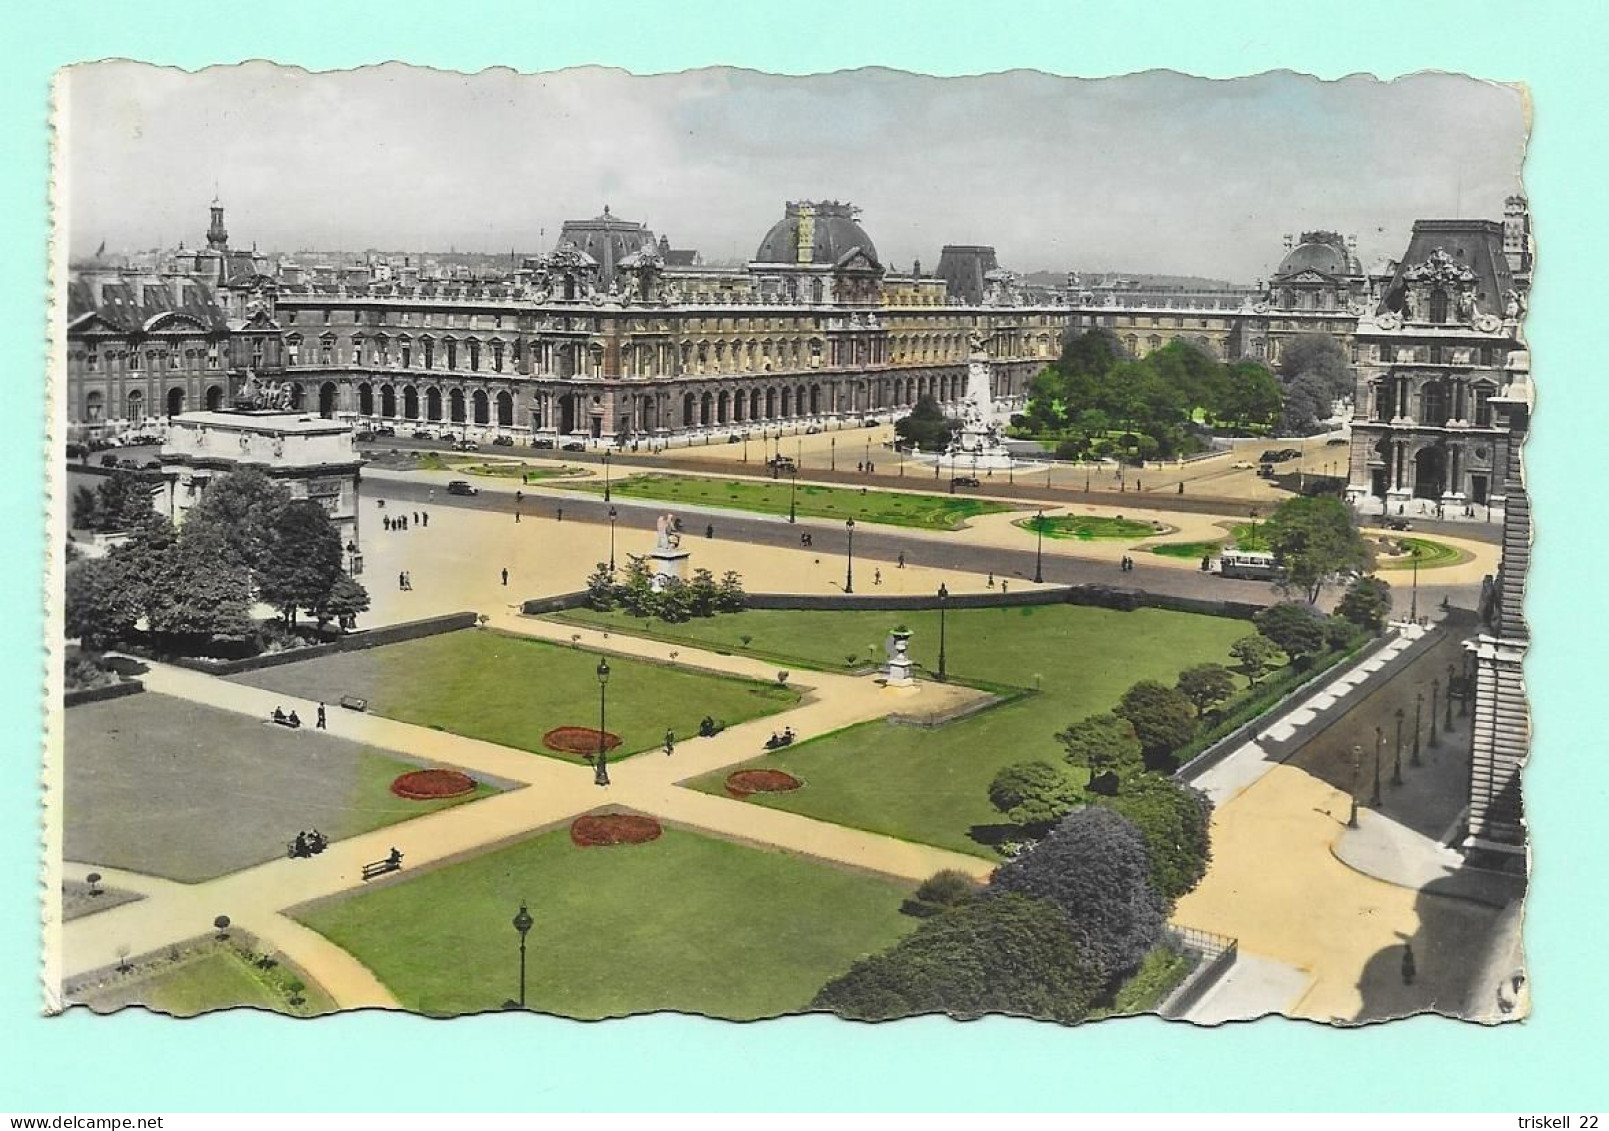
(743, 545)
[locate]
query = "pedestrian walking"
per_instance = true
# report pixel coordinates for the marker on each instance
(320, 722)
(525, 477)
(516, 518)
(991, 579)
(1002, 587)
(505, 577)
(426, 516)
(561, 514)
(402, 581)
(416, 518)
(877, 577)
(407, 580)
(902, 560)
(670, 743)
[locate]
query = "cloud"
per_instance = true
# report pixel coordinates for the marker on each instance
(1149, 172)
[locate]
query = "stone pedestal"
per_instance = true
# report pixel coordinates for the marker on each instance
(668, 564)
(899, 660)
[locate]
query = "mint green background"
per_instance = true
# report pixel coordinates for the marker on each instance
(229, 1063)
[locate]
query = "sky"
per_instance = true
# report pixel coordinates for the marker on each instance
(1154, 172)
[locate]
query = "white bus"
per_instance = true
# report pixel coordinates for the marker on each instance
(1254, 565)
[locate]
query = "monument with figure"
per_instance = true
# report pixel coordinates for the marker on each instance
(670, 560)
(977, 446)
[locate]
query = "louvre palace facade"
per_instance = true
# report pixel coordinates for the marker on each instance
(617, 337)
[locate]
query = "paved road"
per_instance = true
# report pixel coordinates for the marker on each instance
(883, 544)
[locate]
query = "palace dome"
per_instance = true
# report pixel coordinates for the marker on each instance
(834, 234)
(1324, 252)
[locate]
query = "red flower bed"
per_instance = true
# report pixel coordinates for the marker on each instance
(432, 785)
(578, 740)
(745, 782)
(613, 828)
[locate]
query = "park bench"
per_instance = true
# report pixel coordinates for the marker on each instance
(354, 703)
(391, 863)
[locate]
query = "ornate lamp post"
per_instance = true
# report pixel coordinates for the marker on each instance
(1357, 765)
(1435, 690)
(1413, 603)
(793, 494)
(1418, 709)
(523, 923)
(1039, 549)
(745, 445)
(849, 569)
(1447, 720)
(1396, 769)
(600, 768)
(612, 515)
(832, 448)
(944, 600)
(1379, 755)
(606, 475)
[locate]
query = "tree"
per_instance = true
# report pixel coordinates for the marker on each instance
(100, 608)
(1163, 719)
(300, 561)
(927, 425)
(1256, 654)
(86, 509)
(1206, 685)
(1307, 402)
(1175, 820)
(637, 594)
(996, 954)
(1313, 539)
(731, 598)
(702, 593)
(347, 598)
(205, 595)
(1366, 603)
(944, 890)
(1322, 358)
(1251, 396)
(242, 506)
(1102, 742)
(675, 604)
(1095, 867)
(1034, 795)
(147, 562)
(1295, 629)
(601, 588)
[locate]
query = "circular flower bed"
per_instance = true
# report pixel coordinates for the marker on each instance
(578, 740)
(613, 828)
(745, 782)
(432, 785)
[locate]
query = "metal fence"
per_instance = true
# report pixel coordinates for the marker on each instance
(1215, 954)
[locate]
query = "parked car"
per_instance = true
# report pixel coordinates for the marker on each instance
(541, 442)
(1398, 524)
(421, 434)
(1336, 442)
(1243, 465)
(783, 462)
(363, 436)
(813, 430)
(386, 430)
(503, 442)
(462, 487)
(966, 481)
(465, 446)
(575, 446)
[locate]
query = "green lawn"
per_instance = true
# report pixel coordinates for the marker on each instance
(931, 785)
(1089, 528)
(1248, 537)
(215, 977)
(685, 922)
(516, 469)
(511, 690)
(1187, 549)
(1432, 555)
(178, 789)
(893, 508)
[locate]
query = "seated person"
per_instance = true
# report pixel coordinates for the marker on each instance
(278, 716)
(292, 720)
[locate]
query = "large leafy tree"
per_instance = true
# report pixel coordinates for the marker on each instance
(927, 425)
(1163, 718)
(1102, 742)
(205, 594)
(1321, 357)
(1296, 629)
(1175, 820)
(1313, 539)
(100, 608)
(301, 560)
(997, 954)
(1366, 603)
(1256, 654)
(1095, 867)
(1034, 795)
(1307, 401)
(1251, 396)
(1206, 685)
(242, 507)
(347, 598)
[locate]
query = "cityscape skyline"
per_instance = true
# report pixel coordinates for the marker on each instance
(1181, 186)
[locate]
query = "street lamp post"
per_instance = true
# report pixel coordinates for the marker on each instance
(1396, 769)
(1413, 604)
(944, 600)
(522, 923)
(849, 569)
(612, 515)
(606, 475)
(1435, 690)
(1253, 538)
(745, 445)
(600, 768)
(1357, 765)
(1468, 690)
(1379, 755)
(1039, 549)
(1418, 710)
(832, 447)
(793, 494)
